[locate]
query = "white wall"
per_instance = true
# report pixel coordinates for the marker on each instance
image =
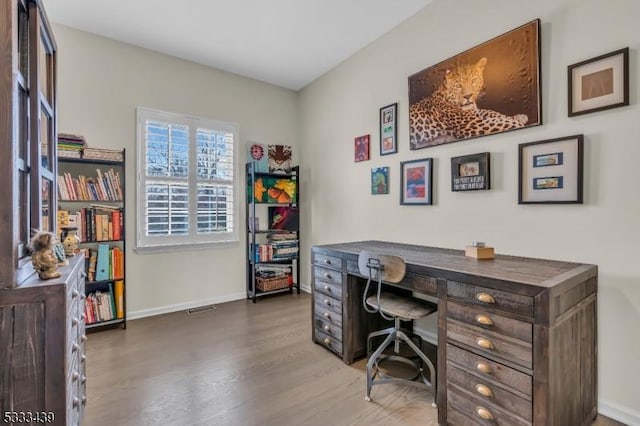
(101, 82)
(605, 231)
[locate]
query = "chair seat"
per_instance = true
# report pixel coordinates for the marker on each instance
(402, 307)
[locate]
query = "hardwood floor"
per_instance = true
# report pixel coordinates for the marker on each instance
(240, 364)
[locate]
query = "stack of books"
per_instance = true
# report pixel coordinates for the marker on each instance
(70, 146)
(102, 154)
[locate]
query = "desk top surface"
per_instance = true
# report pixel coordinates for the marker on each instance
(531, 271)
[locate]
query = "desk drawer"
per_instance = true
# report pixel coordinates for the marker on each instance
(327, 302)
(491, 344)
(485, 368)
(329, 341)
(328, 261)
(490, 298)
(490, 393)
(327, 275)
(327, 315)
(327, 327)
(474, 408)
(330, 289)
(491, 321)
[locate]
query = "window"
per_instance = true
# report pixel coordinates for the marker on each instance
(186, 180)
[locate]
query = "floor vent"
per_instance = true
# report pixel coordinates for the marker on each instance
(201, 309)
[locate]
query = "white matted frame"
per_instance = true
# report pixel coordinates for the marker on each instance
(551, 171)
(599, 83)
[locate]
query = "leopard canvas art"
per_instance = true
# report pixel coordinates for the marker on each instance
(491, 88)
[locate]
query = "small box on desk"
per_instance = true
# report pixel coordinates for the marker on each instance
(479, 252)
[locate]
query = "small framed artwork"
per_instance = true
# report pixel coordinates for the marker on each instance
(361, 146)
(599, 83)
(550, 171)
(389, 129)
(470, 172)
(416, 185)
(380, 180)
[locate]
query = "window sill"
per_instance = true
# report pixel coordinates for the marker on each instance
(171, 248)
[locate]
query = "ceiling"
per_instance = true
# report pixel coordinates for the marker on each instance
(288, 43)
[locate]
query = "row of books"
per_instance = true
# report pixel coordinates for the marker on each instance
(98, 223)
(105, 305)
(104, 263)
(103, 187)
(276, 251)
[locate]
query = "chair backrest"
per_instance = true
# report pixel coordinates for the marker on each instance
(392, 268)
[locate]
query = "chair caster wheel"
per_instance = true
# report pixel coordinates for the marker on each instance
(367, 398)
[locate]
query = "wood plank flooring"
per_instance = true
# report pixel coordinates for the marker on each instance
(240, 364)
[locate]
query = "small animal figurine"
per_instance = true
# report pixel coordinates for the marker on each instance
(43, 257)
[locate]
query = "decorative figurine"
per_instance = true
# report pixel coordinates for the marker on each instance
(43, 257)
(70, 241)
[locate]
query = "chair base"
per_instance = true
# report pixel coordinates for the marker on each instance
(394, 336)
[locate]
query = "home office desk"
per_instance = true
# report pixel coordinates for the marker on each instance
(516, 336)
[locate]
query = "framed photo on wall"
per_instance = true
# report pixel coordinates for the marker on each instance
(389, 129)
(488, 89)
(599, 83)
(550, 171)
(379, 180)
(361, 148)
(416, 184)
(470, 172)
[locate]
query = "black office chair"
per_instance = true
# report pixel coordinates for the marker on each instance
(391, 269)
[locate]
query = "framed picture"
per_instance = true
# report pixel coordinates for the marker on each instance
(550, 171)
(380, 180)
(470, 172)
(389, 129)
(361, 146)
(416, 186)
(491, 88)
(269, 189)
(599, 83)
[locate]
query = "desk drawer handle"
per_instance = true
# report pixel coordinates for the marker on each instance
(483, 368)
(326, 341)
(326, 315)
(327, 262)
(327, 328)
(484, 343)
(327, 288)
(484, 319)
(327, 276)
(326, 302)
(484, 390)
(485, 298)
(484, 413)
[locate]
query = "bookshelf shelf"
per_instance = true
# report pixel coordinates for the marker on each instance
(281, 239)
(91, 196)
(105, 323)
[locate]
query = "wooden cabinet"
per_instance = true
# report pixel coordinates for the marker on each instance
(517, 337)
(27, 131)
(42, 333)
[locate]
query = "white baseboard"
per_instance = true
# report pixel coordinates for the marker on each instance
(305, 288)
(184, 306)
(617, 412)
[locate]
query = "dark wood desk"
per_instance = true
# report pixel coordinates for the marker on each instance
(516, 336)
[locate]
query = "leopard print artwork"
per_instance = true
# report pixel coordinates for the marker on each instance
(451, 112)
